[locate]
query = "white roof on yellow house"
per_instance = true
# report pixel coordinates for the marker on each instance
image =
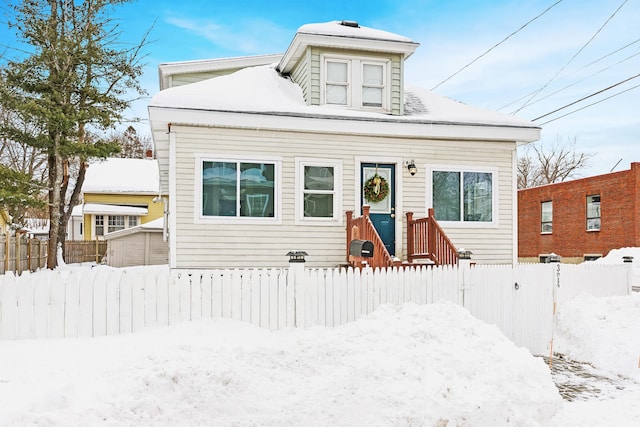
(128, 176)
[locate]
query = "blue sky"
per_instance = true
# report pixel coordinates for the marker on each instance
(552, 52)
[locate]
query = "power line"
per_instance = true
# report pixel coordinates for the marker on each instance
(587, 97)
(572, 58)
(583, 79)
(577, 81)
(496, 45)
(590, 105)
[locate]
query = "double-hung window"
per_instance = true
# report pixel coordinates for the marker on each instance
(237, 188)
(115, 223)
(99, 219)
(463, 196)
(319, 190)
(593, 213)
(337, 82)
(104, 224)
(372, 85)
(356, 82)
(546, 217)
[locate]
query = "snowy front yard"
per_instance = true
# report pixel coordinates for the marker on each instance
(403, 365)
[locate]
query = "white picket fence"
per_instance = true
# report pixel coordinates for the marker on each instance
(518, 299)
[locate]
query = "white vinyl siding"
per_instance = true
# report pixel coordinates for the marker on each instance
(204, 245)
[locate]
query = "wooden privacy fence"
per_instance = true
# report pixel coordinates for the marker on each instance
(79, 251)
(22, 253)
(519, 299)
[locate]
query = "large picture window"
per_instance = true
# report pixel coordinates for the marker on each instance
(319, 189)
(238, 189)
(463, 196)
(355, 82)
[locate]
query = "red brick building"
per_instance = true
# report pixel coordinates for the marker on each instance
(580, 219)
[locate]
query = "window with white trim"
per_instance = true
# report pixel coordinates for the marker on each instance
(463, 196)
(546, 217)
(337, 86)
(99, 226)
(103, 224)
(319, 194)
(115, 223)
(593, 212)
(237, 189)
(356, 82)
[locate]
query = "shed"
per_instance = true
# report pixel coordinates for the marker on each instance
(140, 245)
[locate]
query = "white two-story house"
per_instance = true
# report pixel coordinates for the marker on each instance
(264, 155)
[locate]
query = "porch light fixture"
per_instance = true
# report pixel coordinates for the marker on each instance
(296, 256)
(412, 167)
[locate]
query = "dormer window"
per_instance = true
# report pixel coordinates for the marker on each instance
(372, 85)
(355, 82)
(337, 82)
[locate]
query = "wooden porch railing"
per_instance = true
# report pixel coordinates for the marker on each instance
(362, 228)
(427, 240)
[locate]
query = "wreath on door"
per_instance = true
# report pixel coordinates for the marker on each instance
(376, 189)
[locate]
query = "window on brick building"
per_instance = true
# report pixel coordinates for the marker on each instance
(547, 217)
(593, 213)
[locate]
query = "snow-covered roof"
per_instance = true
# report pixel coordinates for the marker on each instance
(344, 35)
(262, 89)
(155, 226)
(105, 209)
(351, 29)
(115, 175)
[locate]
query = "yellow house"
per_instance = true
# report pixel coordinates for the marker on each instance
(117, 194)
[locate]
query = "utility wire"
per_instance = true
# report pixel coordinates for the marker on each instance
(587, 97)
(496, 45)
(581, 80)
(576, 82)
(590, 105)
(572, 58)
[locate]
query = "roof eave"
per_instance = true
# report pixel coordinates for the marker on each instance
(288, 122)
(303, 40)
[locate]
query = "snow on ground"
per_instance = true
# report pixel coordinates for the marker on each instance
(431, 365)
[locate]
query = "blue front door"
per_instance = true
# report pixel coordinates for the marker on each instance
(383, 212)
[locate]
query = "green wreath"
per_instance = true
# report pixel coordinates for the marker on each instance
(376, 189)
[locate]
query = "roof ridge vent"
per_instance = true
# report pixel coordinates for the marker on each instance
(353, 24)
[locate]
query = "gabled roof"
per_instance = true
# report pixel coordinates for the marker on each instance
(344, 34)
(128, 176)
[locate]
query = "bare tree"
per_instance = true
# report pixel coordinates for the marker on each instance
(132, 145)
(540, 165)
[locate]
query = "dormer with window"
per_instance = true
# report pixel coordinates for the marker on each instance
(343, 65)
